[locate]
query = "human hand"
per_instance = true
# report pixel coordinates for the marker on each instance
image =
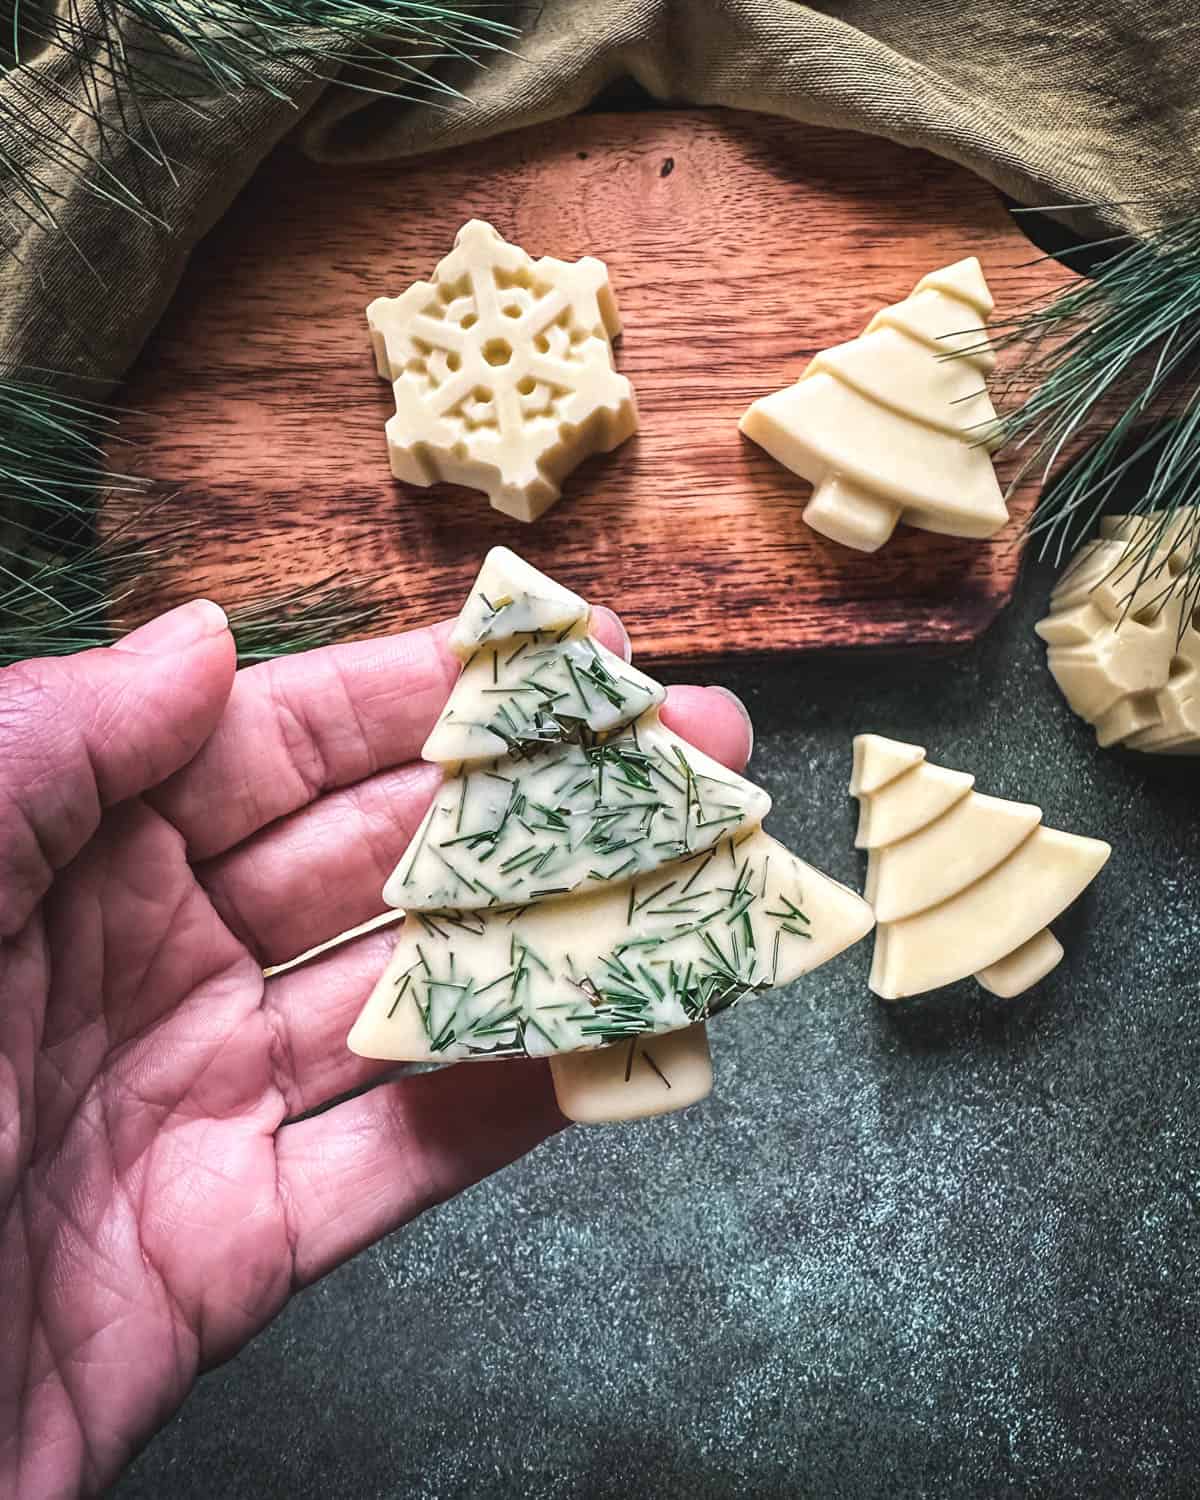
(168, 829)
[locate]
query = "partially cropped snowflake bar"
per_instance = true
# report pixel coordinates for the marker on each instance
(503, 373)
(1124, 637)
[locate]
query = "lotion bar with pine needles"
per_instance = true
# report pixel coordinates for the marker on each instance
(587, 886)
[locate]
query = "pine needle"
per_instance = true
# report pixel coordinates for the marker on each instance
(1122, 348)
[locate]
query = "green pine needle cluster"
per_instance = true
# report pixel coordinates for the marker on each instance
(108, 61)
(319, 614)
(1119, 352)
(87, 593)
(66, 584)
(58, 583)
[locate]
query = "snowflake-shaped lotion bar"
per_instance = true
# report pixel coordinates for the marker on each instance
(502, 370)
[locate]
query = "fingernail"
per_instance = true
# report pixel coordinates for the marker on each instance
(177, 629)
(725, 692)
(626, 651)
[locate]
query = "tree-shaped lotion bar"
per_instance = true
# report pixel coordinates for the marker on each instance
(961, 883)
(1124, 636)
(887, 428)
(502, 370)
(585, 879)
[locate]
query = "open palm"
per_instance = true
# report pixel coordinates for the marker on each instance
(168, 829)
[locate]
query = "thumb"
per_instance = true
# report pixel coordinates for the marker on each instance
(80, 733)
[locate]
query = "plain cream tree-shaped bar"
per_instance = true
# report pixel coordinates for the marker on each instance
(961, 883)
(887, 429)
(1123, 636)
(586, 886)
(502, 370)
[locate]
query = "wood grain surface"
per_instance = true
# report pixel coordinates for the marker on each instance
(738, 246)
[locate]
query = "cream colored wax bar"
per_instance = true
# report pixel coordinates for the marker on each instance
(888, 428)
(961, 883)
(503, 372)
(587, 886)
(1124, 641)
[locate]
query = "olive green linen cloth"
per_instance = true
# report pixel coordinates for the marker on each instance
(1094, 102)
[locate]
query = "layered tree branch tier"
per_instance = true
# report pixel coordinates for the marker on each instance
(896, 424)
(961, 883)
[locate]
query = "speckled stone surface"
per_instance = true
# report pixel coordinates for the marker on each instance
(951, 1249)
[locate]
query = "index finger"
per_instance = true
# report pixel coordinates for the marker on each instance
(302, 725)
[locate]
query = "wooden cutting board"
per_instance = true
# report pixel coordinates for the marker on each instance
(738, 245)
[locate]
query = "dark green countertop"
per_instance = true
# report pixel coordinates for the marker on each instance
(950, 1249)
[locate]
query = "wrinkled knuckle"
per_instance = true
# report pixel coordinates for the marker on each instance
(48, 796)
(30, 716)
(297, 739)
(281, 1060)
(37, 731)
(26, 696)
(11, 1133)
(364, 750)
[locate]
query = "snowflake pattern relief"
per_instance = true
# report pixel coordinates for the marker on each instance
(502, 370)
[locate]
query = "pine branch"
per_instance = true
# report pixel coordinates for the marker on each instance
(1124, 347)
(110, 60)
(72, 601)
(66, 586)
(319, 614)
